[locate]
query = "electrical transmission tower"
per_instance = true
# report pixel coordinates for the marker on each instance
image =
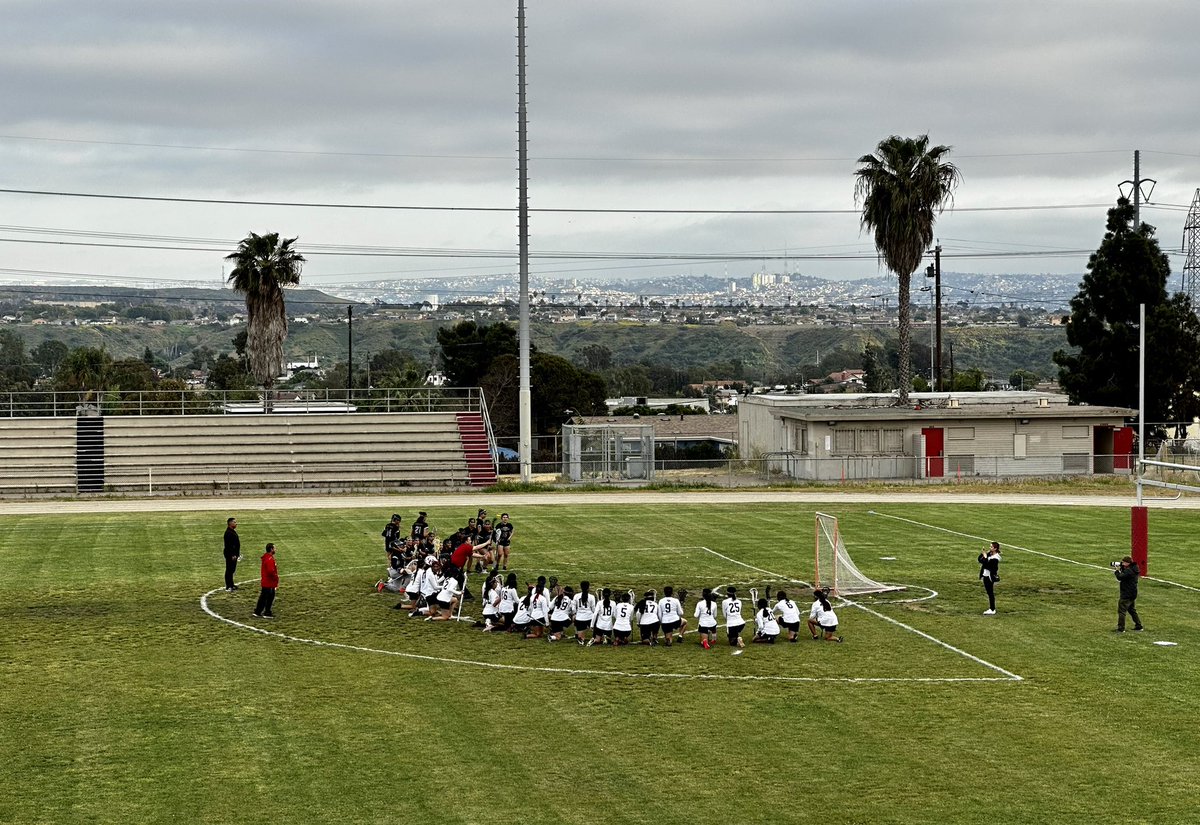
(1191, 252)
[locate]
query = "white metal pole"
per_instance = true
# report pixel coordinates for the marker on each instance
(524, 395)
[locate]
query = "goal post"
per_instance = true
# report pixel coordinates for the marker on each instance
(835, 571)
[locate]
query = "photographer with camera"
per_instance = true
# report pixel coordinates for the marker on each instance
(989, 574)
(1127, 574)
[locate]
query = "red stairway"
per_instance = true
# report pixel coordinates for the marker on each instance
(477, 449)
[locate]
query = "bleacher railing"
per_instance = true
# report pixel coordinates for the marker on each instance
(239, 402)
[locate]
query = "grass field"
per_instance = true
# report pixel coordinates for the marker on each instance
(125, 701)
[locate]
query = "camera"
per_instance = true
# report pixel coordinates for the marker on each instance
(1114, 564)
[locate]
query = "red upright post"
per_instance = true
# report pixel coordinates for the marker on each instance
(1139, 539)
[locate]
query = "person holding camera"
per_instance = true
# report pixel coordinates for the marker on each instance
(1127, 574)
(989, 574)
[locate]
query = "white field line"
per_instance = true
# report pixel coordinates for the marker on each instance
(1027, 550)
(1008, 674)
(704, 677)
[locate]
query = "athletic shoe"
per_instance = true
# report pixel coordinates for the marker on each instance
(591, 642)
(268, 615)
(379, 587)
(579, 642)
(989, 612)
(679, 637)
(256, 615)
(235, 587)
(1138, 629)
(839, 639)
(1118, 630)
(704, 644)
(228, 589)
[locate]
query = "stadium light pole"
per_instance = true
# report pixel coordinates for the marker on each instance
(524, 398)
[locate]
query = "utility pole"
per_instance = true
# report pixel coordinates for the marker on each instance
(1135, 189)
(524, 395)
(1191, 253)
(934, 270)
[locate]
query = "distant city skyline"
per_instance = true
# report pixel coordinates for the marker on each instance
(671, 138)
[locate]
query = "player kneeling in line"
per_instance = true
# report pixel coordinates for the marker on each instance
(602, 621)
(397, 576)
(647, 612)
(789, 615)
(539, 610)
(622, 616)
(508, 602)
(826, 619)
(670, 609)
(583, 608)
(734, 621)
(814, 627)
(766, 629)
(491, 601)
(706, 617)
(520, 619)
(442, 610)
(560, 613)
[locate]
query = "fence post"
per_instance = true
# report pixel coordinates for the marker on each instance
(150, 484)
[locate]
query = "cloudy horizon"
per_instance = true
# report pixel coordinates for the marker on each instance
(735, 129)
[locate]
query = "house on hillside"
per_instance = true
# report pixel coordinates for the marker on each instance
(958, 435)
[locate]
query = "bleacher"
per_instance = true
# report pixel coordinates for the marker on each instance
(215, 453)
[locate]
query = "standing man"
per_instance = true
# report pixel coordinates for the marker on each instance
(1127, 574)
(989, 574)
(270, 581)
(503, 535)
(233, 552)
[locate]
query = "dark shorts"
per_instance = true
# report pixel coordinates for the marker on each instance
(828, 628)
(444, 605)
(602, 633)
(709, 631)
(792, 626)
(559, 625)
(734, 632)
(623, 635)
(649, 631)
(670, 627)
(519, 627)
(582, 624)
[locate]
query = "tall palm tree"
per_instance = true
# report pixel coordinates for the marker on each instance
(263, 266)
(902, 188)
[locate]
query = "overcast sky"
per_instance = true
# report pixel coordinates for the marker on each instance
(662, 105)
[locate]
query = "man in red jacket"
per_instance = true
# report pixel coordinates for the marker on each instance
(270, 581)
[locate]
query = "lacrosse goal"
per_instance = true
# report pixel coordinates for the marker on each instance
(835, 570)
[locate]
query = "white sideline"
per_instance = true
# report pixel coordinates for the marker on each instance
(1027, 550)
(1008, 674)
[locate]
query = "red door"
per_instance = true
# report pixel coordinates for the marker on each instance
(935, 452)
(1122, 448)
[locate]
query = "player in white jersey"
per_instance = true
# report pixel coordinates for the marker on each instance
(539, 609)
(560, 613)
(583, 608)
(442, 610)
(431, 585)
(491, 601)
(602, 620)
(734, 621)
(508, 602)
(827, 620)
(814, 627)
(706, 619)
(670, 610)
(622, 620)
(789, 615)
(766, 629)
(647, 613)
(520, 620)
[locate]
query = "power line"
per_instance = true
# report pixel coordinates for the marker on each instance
(509, 209)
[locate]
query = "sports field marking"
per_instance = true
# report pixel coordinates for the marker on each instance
(1026, 549)
(1008, 674)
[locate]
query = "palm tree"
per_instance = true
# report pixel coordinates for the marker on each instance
(902, 188)
(263, 266)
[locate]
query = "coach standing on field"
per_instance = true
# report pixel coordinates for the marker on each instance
(233, 552)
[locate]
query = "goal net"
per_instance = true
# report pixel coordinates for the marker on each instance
(835, 570)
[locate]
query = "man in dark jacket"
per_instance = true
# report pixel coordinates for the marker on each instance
(233, 552)
(1127, 574)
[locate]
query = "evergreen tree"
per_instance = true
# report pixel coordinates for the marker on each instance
(1129, 269)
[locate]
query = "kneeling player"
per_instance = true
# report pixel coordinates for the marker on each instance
(647, 612)
(789, 615)
(602, 621)
(670, 609)
(622, 617)
(560, 613)
(766, 629)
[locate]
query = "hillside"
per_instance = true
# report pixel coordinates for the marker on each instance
(762, 352)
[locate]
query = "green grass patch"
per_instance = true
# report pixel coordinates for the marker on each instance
(125, 702)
